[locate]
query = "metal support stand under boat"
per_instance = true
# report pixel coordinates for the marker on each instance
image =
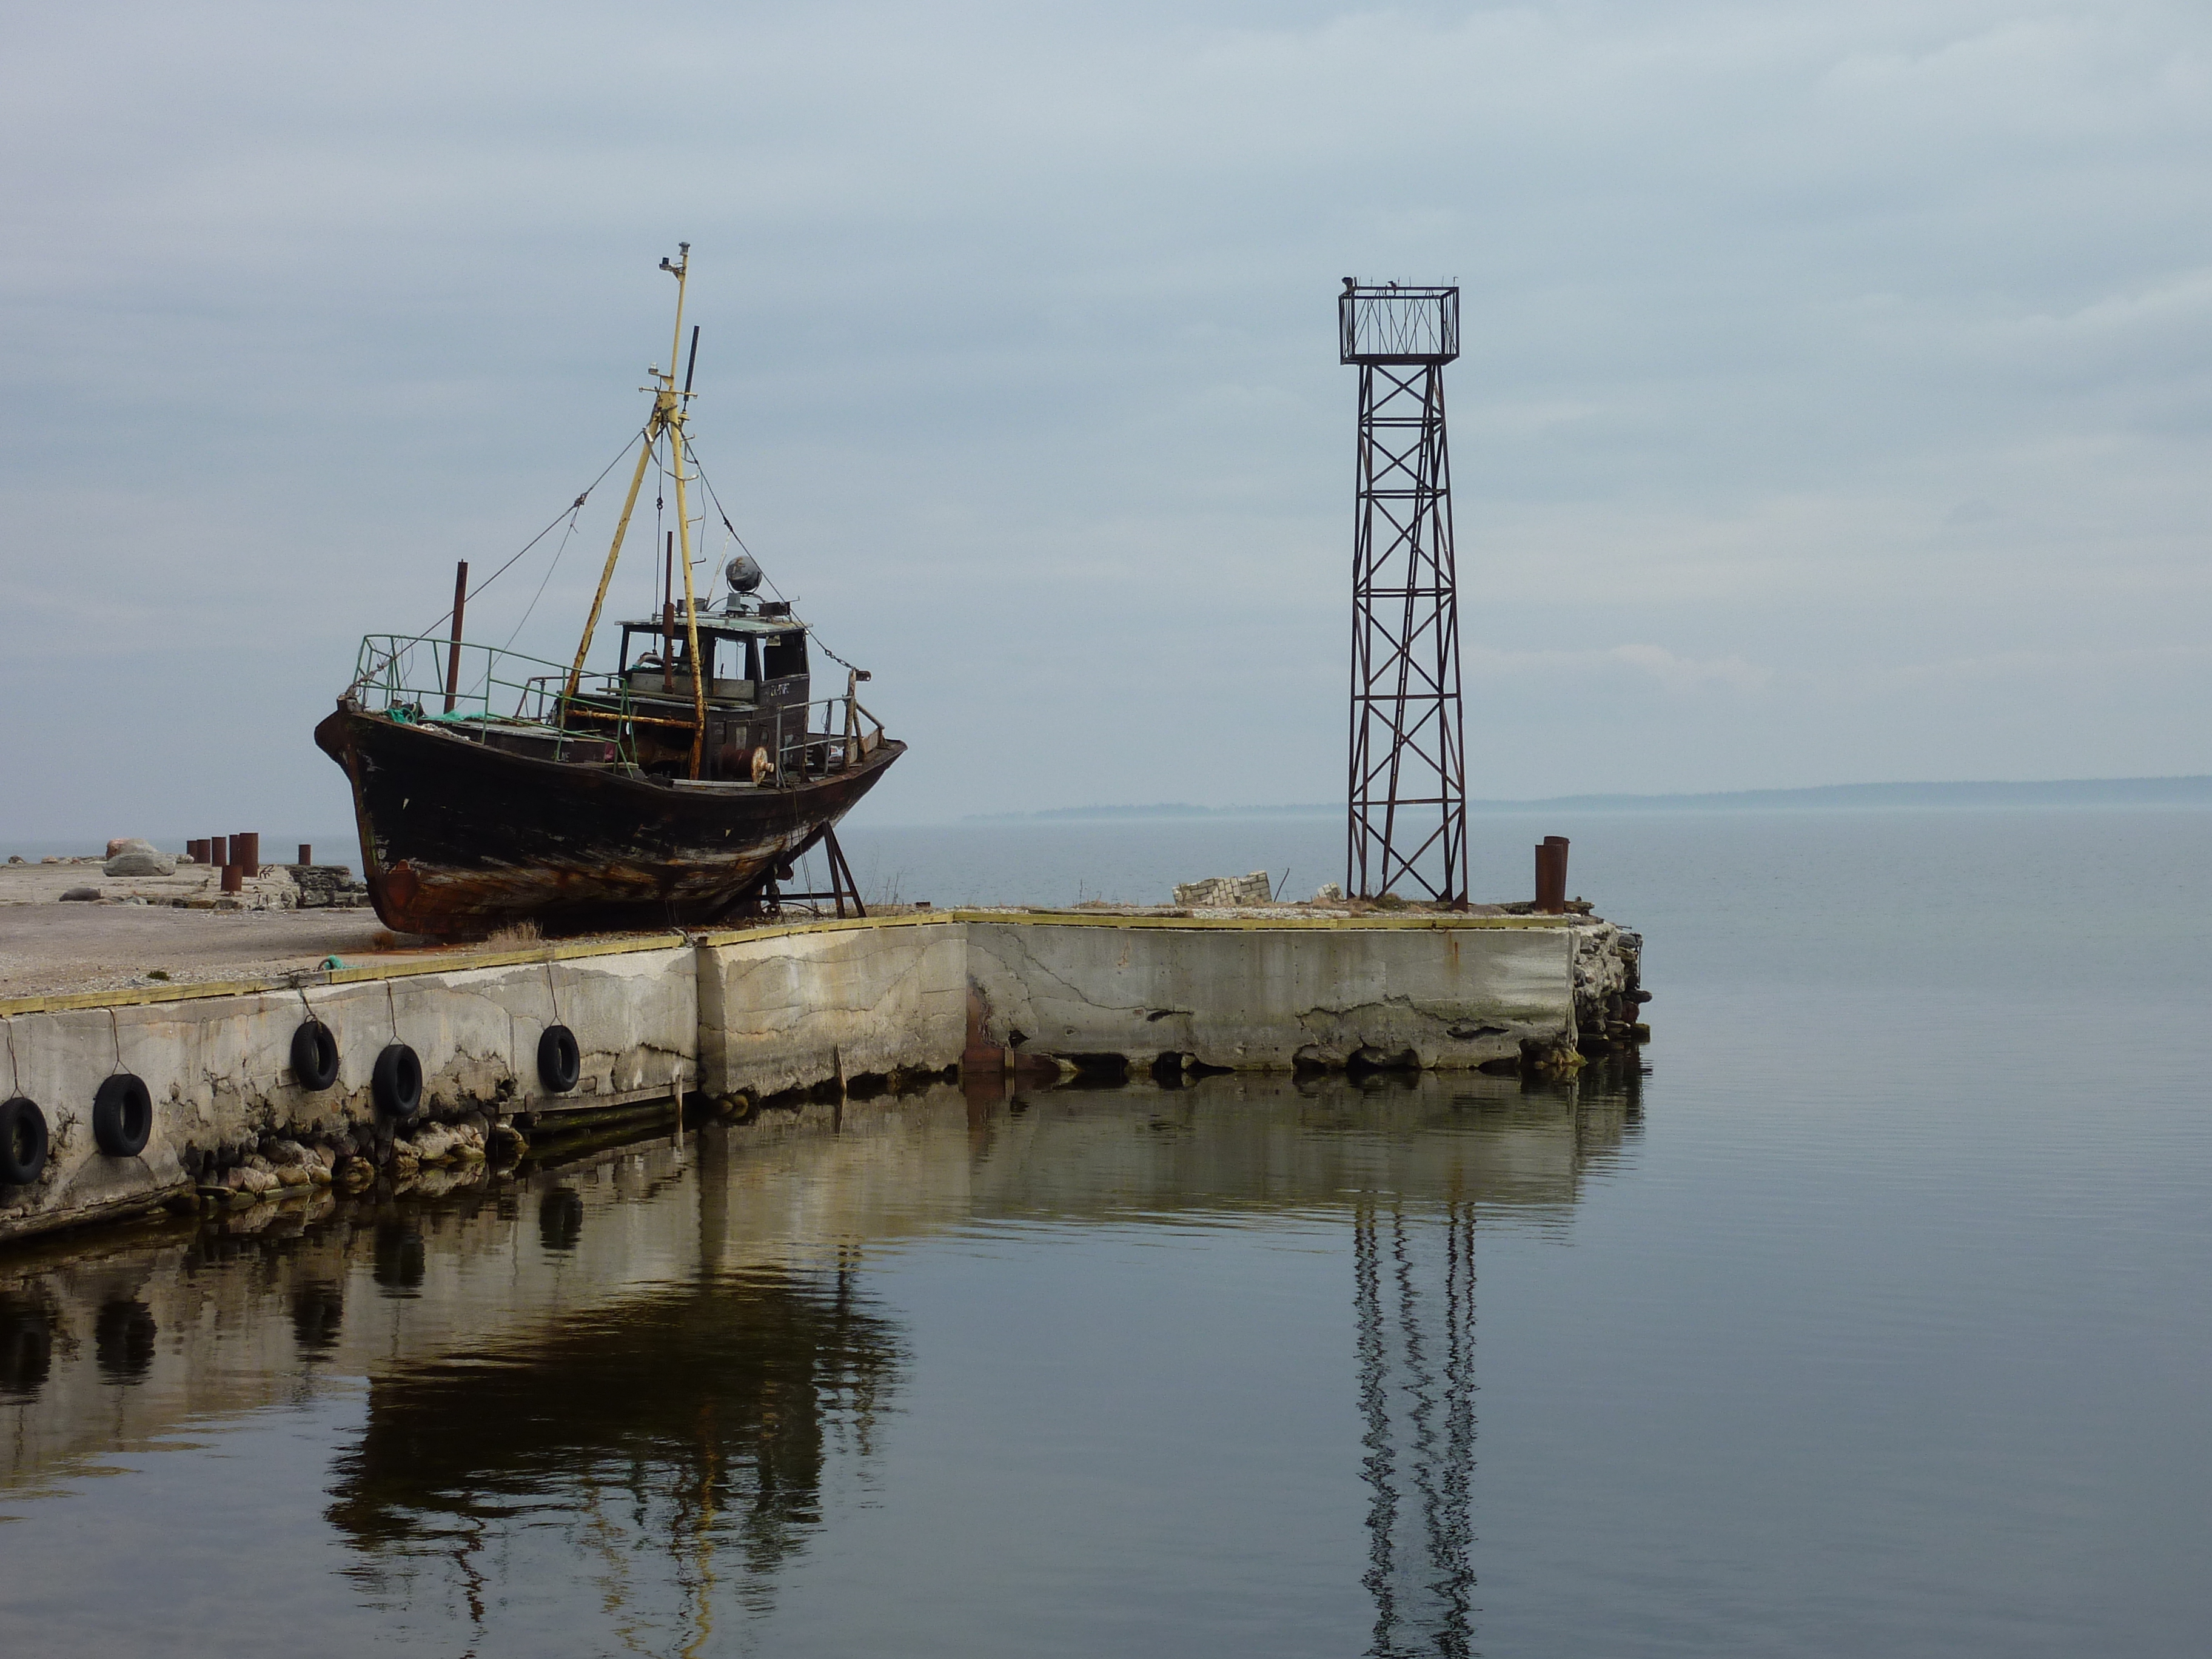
(841, 885)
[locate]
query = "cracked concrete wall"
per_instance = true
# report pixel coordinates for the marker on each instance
(1274, 1000)
(219, 1067)
(785, 1011)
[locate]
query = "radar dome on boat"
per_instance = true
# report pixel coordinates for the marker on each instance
(742, 573)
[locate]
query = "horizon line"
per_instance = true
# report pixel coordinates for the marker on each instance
(2182, 786)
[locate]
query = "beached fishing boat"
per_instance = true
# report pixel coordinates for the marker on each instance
(675, 787)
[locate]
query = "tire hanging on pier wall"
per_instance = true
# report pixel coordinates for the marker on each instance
(314, 1056)
(560, 1063)
(122, 1115)
(397, 1082)
(22, 1142)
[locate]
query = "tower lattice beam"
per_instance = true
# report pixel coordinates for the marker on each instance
(1407, 780)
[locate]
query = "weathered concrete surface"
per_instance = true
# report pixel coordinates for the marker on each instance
(1276, 998)
(781, 1009)
(219, 1067)
(764, 1011)
(48, 949)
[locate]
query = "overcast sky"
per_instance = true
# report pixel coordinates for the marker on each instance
(1834, 407)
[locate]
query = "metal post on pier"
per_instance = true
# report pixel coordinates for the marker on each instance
(453, 655)
(1551, 875)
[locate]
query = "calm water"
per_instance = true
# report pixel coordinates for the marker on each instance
(1873, 1320)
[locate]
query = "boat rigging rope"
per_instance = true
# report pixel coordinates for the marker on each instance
(721, 513)
(566, 536)
(568, 512)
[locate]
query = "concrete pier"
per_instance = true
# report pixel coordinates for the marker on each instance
(745, 1016)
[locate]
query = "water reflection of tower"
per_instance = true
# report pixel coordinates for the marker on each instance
(1414, 1294)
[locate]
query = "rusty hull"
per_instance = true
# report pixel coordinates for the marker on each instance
(458, 839)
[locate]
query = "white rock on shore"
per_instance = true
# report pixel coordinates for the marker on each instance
(130, 856)
(140, 864)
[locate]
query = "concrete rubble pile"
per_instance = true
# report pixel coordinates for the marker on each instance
(326, 885)
(277, 1166)
(1224, 892)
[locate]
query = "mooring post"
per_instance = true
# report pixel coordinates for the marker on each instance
(306, 854)
(1551, 875)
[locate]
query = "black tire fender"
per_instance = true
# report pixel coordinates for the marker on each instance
(22, 1142)
(122, 1115)
(395, 1083)
(560, 1063)
(314, 1056)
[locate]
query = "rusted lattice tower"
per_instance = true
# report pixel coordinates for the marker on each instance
(1409, 772)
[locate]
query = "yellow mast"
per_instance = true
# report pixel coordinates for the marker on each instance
(665, 423)
(622, 529)
(672, 422)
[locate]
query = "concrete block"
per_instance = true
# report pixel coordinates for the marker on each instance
(782, 1010)
(1273, 1000)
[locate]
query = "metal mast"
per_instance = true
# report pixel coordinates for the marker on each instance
(1408, 768)
(664, 426)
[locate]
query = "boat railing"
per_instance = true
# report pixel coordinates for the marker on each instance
(425, 680)
(849, 735)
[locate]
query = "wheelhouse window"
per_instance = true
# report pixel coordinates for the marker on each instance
(783, 655)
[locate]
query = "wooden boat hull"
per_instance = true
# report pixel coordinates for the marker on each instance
(458, 839)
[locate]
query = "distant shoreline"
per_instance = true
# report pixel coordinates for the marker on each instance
(2196, 791)
(2078, 792)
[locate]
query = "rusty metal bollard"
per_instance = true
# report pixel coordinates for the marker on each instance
(234, 878)
(218, 849)
(306, 854)
(246, 851)
(1551, 875)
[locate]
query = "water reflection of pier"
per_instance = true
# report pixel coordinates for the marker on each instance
(657, 1362)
